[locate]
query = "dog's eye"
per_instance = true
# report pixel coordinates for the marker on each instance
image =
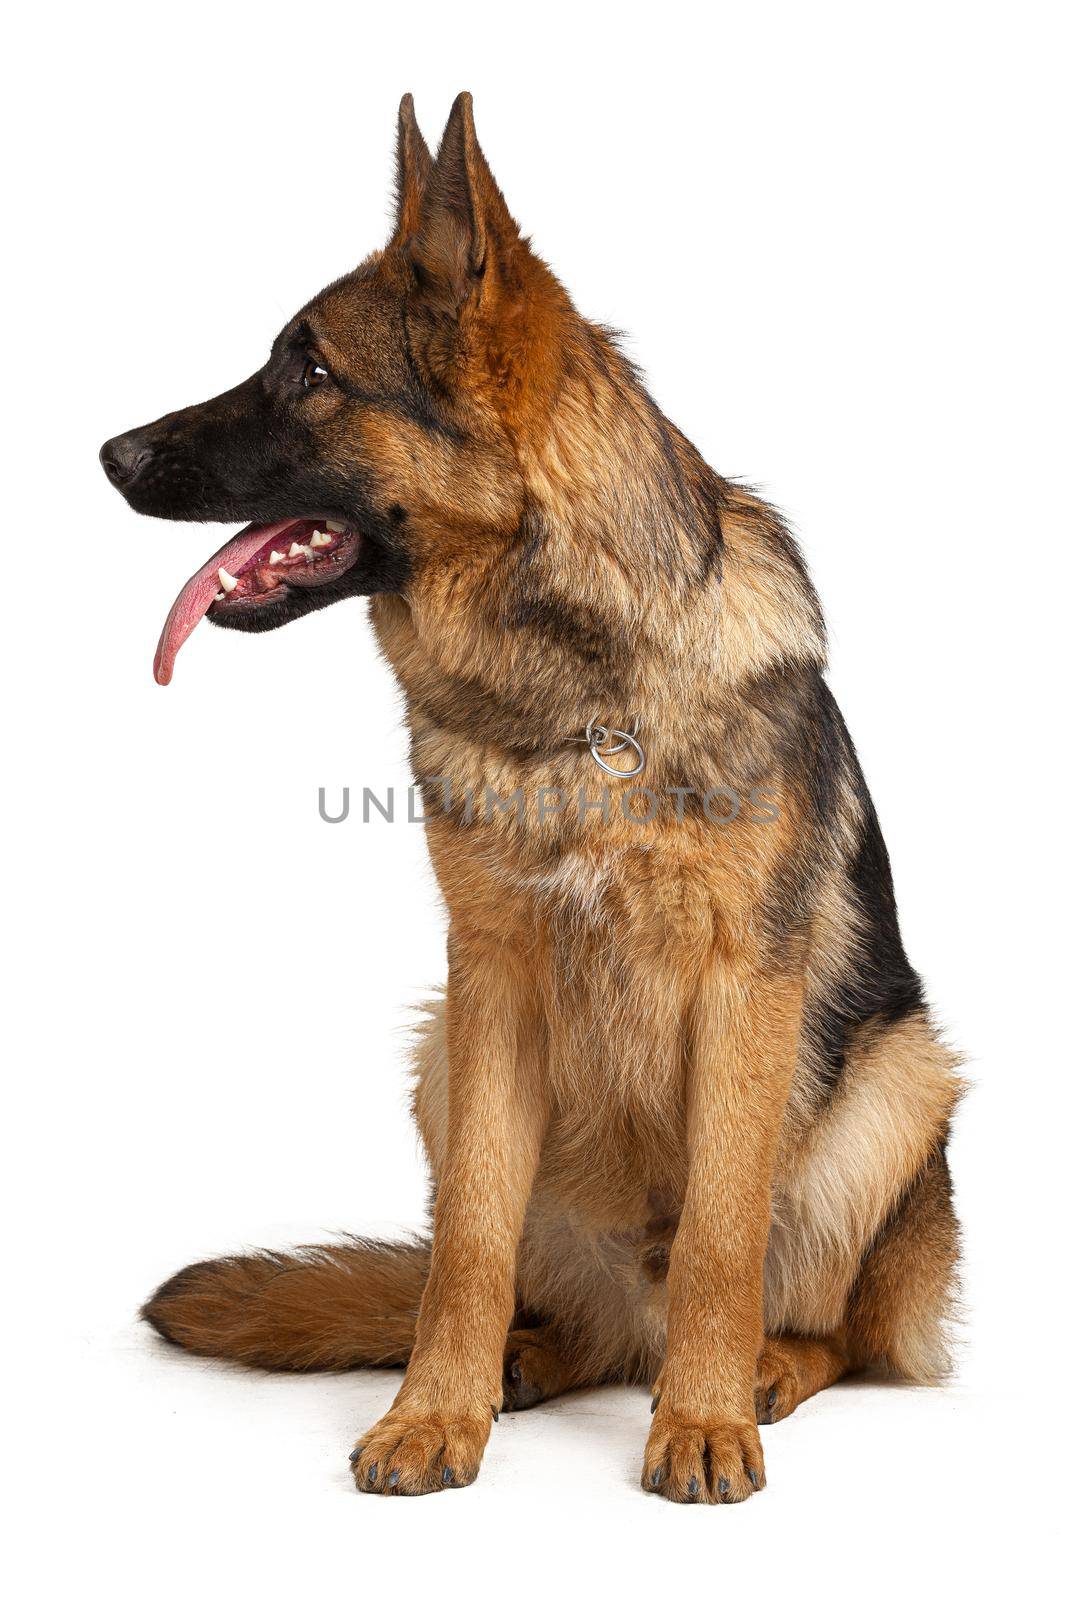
(313, 374)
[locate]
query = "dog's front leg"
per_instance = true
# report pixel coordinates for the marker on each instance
(434, 1435)
(742, 1040)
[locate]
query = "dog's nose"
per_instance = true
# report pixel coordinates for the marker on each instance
(123, 457)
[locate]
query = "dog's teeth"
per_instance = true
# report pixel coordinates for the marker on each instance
(337, 527)
(296, 550)
(275, 555)
(227, 580)
(219, 595)
(317, 538)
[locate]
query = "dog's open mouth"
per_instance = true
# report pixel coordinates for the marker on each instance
(255, 569)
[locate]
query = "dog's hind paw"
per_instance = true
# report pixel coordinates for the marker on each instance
(534, 1368)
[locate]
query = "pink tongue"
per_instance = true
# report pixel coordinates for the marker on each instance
(202, 588)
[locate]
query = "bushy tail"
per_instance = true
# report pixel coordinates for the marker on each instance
(323, 1308)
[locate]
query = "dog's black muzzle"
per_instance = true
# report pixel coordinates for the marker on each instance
(228, 459)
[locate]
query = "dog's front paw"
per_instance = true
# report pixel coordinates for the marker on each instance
(703, 1460)
(419, 1454)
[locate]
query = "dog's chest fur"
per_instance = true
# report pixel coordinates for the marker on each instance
(615, 922)
(616, 917)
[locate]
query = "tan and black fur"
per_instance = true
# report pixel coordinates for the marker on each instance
(684, 1104)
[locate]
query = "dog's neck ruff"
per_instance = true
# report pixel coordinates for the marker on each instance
(606, 744)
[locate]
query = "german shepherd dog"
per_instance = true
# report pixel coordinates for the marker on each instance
(684, 1104)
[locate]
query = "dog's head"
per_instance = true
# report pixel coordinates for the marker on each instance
(379, 433)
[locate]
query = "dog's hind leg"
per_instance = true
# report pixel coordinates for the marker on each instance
(863, 1246)
(536, 1367)
(904, 1298)
(898, 1309)
(792, 1369)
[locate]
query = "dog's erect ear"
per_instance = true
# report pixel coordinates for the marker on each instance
(414, 165)
(466, 234)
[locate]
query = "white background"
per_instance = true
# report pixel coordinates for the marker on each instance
(846, 241)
